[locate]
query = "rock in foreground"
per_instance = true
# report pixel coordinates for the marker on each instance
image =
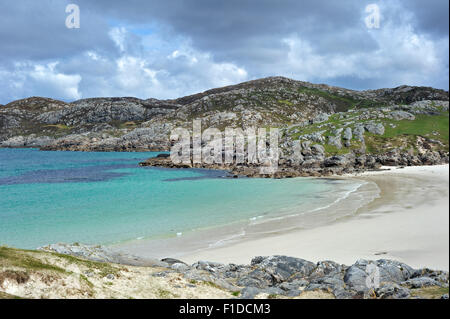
(81, 271)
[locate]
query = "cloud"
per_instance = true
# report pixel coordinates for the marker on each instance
(25, 79)
(165, 73)
(35, 30)
(168, 49)
(400, 56)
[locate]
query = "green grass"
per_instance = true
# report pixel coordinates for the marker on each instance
(343, 103)
(404, 134)
(10, 257)
(333, 150)
(59, 126)
(85, 280)
(23, 259)
(125, 125)
(4, 295)
(286, 102)
(429, 292)
(165, 294)
(423, 125)
(104, 268)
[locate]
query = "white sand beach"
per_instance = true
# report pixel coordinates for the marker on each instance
(408, 222)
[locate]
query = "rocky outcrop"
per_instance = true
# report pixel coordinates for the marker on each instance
(316, 164)
(324, 129)
(104, 273)
(85, 125)
(108, 124)
(287, 276)
(292, 277)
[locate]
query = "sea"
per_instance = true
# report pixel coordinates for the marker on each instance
(108, 199)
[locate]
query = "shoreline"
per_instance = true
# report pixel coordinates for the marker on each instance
(408, 222)
(259, 226)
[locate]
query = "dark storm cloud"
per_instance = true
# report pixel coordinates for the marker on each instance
(431, 16)
(234, 30)
(165, 49)
(36, 30)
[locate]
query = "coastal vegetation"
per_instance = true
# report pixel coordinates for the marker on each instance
(50, 274)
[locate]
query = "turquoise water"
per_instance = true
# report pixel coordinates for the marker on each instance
(106, 198)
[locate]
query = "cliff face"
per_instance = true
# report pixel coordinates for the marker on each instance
(335, 126)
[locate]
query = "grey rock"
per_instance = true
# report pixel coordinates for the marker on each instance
(339, 160)
(374, 128)
(172, 261)
(335, 141)
(394, 271)
(320, 118)
(161, 274)
(422, 282)
(402, 115)
(332, 283)
(358, 132)
(316, 137)
(346, 294)
(207, 265)
(273, 291)
(180, 267)
(101, 254)
(256, 278)
(317, 149)
(392, 291)
(293, 285)
(249, 293)
(355, 278)
(347, 134)
(281, 268)
(325, 268)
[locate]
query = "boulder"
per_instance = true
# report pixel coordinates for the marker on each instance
(249, 293)
(358, 132)
(392, 291)
(281, 268)
(422, 282)
(355, 278)
(317, 149)
(374, 128)
(402, 115)
(347, 134)
(335, 141)
(323, 117)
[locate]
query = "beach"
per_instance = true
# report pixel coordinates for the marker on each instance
(408, 221)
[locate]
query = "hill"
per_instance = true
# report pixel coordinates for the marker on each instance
(400, 126)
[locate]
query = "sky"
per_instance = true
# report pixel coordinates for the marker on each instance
(168, 49)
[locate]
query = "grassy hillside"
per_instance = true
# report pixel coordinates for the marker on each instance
(37, 274)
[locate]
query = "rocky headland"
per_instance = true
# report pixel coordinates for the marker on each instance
(83, 271)
(336, 130)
